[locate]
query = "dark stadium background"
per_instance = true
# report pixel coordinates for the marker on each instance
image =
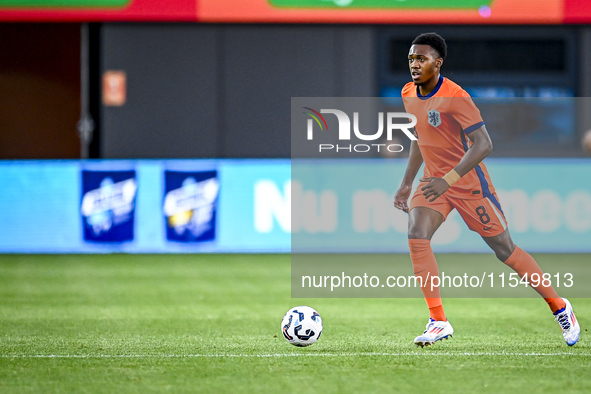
(220, 90)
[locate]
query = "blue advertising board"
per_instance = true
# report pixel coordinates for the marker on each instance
(256, 206)
(548, 207)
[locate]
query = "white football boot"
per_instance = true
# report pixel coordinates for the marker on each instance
(435, 331)
(568, 324)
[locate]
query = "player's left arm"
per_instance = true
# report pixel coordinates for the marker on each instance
(481, 147)
(468, 116)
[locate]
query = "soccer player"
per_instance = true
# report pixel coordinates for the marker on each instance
(452, 142)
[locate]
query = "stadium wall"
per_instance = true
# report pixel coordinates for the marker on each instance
(148, 206)
(194, 89)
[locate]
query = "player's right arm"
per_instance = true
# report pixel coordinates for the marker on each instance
(415, 160)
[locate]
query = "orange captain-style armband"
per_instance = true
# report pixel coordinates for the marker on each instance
(451, 177)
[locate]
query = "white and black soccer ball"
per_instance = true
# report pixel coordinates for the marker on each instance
(301, 326)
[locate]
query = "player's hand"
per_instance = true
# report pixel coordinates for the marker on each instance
(434, 188)
(401, 198)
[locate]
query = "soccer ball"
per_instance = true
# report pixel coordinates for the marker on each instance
(301, 326)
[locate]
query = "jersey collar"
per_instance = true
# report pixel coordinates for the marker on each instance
(433, 92)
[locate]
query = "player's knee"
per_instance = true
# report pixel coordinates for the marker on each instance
(502, 245)
(418, 233)
(503, 252)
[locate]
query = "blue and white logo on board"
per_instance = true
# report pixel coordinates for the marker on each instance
(108, 205)
(190, 203)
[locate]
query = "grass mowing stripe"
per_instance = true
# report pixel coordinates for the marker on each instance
(475, 354)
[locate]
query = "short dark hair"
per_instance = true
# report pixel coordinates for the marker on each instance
(434, 40)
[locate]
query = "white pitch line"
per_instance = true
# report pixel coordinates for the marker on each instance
(427, 354)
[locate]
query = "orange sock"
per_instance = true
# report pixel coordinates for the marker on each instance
(425, 267)
(523, 263)
(436, 312)
(555, 304)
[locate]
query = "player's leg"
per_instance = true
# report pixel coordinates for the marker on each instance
(422, 224)
(424, 219)
(485, 217)
(526, 266)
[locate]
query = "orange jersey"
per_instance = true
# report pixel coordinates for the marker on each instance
(444, 119)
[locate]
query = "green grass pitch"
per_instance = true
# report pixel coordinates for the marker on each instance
(210, 323)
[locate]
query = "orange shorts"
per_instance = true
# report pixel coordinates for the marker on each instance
(483, 215)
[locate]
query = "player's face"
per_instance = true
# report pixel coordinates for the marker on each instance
(424, 63)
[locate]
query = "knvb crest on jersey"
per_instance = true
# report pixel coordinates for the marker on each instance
(108, 205)
(190, 205)
(434, 117)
